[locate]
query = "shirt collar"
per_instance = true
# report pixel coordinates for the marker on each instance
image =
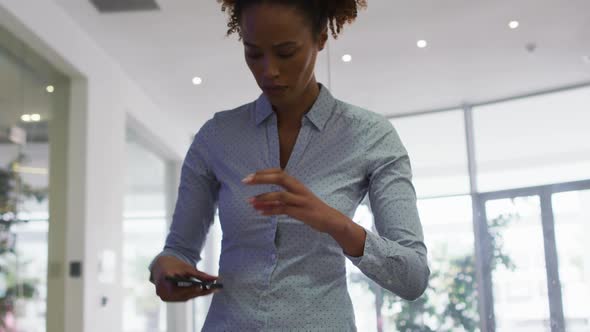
(318, 114)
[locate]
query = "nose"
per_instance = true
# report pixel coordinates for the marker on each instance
(271, 68)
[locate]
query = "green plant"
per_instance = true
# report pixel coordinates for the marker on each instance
(13, 192)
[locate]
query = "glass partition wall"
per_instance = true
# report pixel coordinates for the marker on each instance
(30, 92)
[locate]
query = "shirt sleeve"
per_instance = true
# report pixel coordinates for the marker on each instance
(395, 258)
(197, 200)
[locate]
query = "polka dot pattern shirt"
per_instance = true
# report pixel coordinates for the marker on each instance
(278, 273)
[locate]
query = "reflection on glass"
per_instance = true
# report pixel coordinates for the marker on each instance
(144, 230)
(26, 109)
(519, 277)
(23, 240)
(450, 302)
(572, 231)
(30, 266)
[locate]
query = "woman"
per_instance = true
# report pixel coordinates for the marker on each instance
(287, 227)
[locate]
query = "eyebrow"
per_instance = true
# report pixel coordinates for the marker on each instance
(289, 43)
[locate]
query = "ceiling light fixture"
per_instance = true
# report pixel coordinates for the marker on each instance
(197, 80)
(50, 88)
(513, 24)
(26, 117)
(347, 58)
(422, 43)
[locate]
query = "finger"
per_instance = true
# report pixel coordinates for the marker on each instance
(204, 276)
(250, 177)
(167, 291)
(278, 210)
(270, 171)
(192, 292)
(204, 292)
(294, 212)
(193, 272)
(182, 294)
(283, 197)
(282, 179)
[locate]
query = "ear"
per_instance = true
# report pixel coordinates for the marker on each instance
(323, 38)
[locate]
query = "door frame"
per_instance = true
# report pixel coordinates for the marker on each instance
(483, 248)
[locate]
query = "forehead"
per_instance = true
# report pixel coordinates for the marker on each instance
(273, 23)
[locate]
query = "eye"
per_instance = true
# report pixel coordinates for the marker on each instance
(253, 55)
(286, 55)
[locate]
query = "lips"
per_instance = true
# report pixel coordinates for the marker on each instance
(274, 89)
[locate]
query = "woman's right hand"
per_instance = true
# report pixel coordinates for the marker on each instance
(169, 266)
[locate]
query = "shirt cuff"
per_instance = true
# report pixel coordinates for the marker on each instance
(357, 260)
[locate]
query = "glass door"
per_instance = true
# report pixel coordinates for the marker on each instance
(536, 242)
(572, 234)
(517, 262)
(31, 91)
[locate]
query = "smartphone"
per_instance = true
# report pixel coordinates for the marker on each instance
(192, 281)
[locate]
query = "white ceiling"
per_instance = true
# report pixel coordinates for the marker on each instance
(472, 55)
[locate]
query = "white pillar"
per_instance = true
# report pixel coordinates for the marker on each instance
(87, 141)
(180, 315)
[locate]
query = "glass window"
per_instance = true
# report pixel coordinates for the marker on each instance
(437, 148)
(450, 301)
(519, 274)
(533, 141)
(572, 230)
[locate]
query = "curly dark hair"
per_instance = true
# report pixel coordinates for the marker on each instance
(320, 13)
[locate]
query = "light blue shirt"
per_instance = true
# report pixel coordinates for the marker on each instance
(278, 273)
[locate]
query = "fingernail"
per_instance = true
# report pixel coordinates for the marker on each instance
(248, 178)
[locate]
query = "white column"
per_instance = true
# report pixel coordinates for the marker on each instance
(180, 315)
(87, 142)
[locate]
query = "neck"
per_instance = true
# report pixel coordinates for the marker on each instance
(290, 115)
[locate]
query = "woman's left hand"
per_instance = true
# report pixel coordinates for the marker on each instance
(297, 202)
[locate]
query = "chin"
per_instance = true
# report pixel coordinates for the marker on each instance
(278, 100)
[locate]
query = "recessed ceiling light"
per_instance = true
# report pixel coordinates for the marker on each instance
(197, 80)
(26, 117)
(513, 24)
(35, 117)
(422, 43)
(347, 58)
(50, 88)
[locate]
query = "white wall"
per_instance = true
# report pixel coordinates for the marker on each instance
(88, 161)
